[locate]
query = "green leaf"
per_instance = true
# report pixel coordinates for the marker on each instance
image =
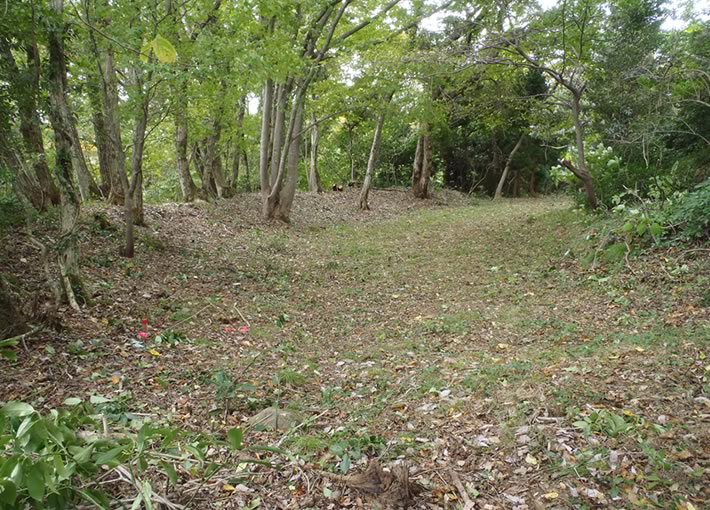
(145, 51)
(164, 50)
(72, 401)
(147, 492)
(99, 399)
(235, 437)
(8, 492)
(82, 455)
(34, 478)
(107, 456)
(656, 230)
(137, 502)
(345, 464)
(25, 426)
(628, 227)
(170, 472)
(641, 228)
(17, 409)
(96, 497)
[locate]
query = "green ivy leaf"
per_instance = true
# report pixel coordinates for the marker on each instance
(164, 50)
(235, 437)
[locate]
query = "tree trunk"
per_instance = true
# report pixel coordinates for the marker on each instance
(422, 164)
(582, 170)
(247, 187)
(351, 130)
(116, 154)
(277, 135)
(67, 245)
(41, 189)
(501, 182)
(101, 139)
(267, 101)
(87, 184)
(289, 189)
(239, 142)
(187, 185)
(314, 184)
(133, 200)
(372, 160)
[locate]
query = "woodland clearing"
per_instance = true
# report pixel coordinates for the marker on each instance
(474, 342)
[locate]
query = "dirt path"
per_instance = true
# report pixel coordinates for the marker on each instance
(459, 339)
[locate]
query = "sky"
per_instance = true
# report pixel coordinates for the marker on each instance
(673, 22)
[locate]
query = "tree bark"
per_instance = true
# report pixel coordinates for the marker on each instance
(289, 189)
(101, 139)
(582, 172)
(314, 184)
(374, 154)
(116, 154)
(501, 182)
(421, 172)
(351, 130)
(187, 185)
(267, 101)
(67, 245)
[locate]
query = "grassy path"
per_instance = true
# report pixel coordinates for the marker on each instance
(468, 338)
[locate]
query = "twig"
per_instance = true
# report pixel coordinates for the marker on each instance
(467, 503)
(23, 337)
(240, 315)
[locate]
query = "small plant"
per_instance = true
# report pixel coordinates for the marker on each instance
(170, 338)
(227, 389)
(48, 464)
(290, 377)
(349, 450)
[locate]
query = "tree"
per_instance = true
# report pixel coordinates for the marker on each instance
(60, 116)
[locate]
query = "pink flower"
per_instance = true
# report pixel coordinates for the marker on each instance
(143, 335)
(144, 322)
(229, 329)
(244, 330)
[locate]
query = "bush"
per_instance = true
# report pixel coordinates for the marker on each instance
(689, 214)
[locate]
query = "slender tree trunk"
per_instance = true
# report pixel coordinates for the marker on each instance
(101, 139)
(267, 101)
(374, 154)
(117, 156)
(247, 171)
(67, 244)
(87, 184)
(278, 128)
(351, 157)
(133, 200)
(187, 185)
(239, 144)
(582, 171)
(504, 176)
(421, 172)
(314, 184)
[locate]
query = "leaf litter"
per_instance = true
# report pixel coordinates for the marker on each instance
(426, 379)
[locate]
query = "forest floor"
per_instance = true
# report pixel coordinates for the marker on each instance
(476, 343)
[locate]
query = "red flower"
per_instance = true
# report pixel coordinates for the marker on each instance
(229, 329)
(143, 335)
(144, 322)
(244, 330)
